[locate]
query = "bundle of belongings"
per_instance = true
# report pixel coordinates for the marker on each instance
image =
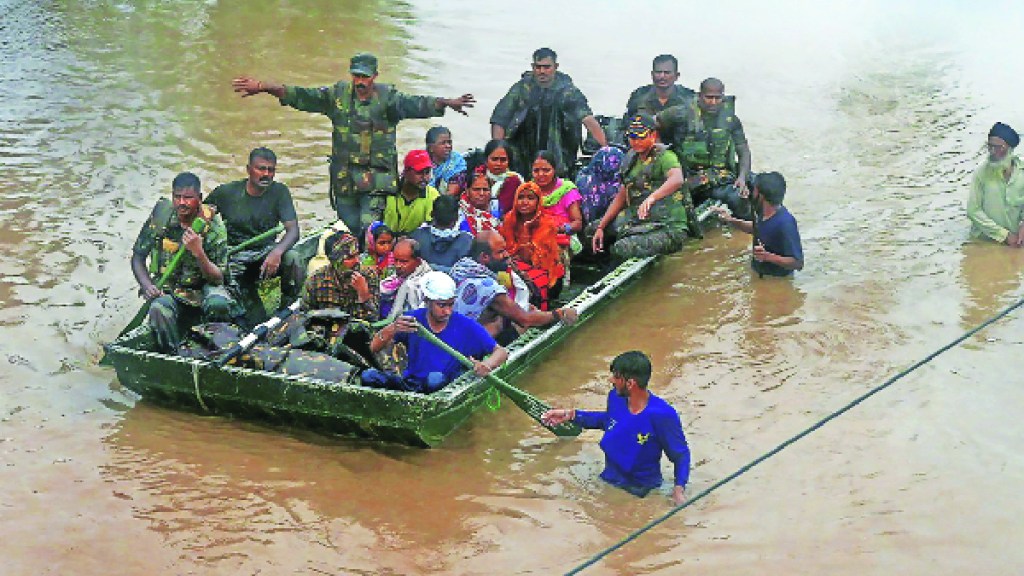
(306, 344)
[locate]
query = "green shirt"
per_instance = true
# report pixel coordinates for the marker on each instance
(247, 216)
(995, 205)
(646, 176)
(187, 281)
(403, 216)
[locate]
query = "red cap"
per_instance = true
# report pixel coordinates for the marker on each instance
(418, 160)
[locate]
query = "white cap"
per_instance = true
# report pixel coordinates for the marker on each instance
(438, 286)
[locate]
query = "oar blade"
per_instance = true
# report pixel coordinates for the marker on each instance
(535, 408)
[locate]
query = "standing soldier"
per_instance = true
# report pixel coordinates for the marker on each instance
(711, 146)
(543, 111)
(364, 161)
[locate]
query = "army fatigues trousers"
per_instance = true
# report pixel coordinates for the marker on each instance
(243, 275)
(640, 239)
(358, 211)
(168, 316)
(726, 193)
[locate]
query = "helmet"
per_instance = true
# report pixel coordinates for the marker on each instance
(438, 286)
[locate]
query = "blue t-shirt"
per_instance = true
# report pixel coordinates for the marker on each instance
(461, 333)
(779, 235)
(633, 443)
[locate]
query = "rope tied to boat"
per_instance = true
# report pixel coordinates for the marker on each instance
(195, 384)
(746, 468)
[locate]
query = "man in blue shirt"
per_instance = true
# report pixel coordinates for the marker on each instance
(638, 427)
(777, 249)
(429, 368)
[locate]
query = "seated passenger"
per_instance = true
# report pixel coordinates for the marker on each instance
(379, 242)
(449, 167)
(504, 182)
(532, 239)
(429, 368)
(599, 182)
(560, 197)
(402, 291)
(195, 289)
(482, 297)
(475, 206)
(345, 284)
(441, 242)
(653, 218)
(250, 207)
(410, 207)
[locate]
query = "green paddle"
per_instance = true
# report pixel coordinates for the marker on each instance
(530, 404)
(176, 259)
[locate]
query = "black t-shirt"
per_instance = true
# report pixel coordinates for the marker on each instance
(246, 216)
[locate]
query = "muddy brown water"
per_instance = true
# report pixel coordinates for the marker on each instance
(876, 114)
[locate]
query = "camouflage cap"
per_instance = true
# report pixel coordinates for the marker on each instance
(363, 64)
(640, 126)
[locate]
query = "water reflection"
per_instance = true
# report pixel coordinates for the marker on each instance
(991, 275)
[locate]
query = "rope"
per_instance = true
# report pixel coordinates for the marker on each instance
(195, 383)
(596, 558)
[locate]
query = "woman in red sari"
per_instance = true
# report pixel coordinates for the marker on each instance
(532, 238)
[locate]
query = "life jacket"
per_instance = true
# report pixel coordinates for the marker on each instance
(364, 137)
(710, 148)
(162, 219)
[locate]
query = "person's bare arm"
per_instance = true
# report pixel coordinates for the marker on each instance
(507, 308)
(247, 86)
(594, 127)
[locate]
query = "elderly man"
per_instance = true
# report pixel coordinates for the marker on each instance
(429, 368)
(345, 284)
(662, 93)
(364, 114)
(196, 287)
(638, 428)
(711, 145)
(403, 291)
(482, 296)
(996, 202)
(543, 111)
(777, 249)
(411, 207)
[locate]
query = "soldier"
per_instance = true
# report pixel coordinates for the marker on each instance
(364, 114)
(654, 218)
(251, 206)
(543, 111)
(661, 94)
(711, 146)
(196, 287)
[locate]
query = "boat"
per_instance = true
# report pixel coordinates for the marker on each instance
(345, 409)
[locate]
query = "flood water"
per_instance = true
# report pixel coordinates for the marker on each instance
(875, 114)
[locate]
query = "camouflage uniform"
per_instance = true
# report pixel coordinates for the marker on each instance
(364, 161)
(538, 119)
(664, 229)
(706, 146)
(188, 295)
(644, 100)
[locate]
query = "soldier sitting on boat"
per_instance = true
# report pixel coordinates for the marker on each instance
(648, 215)
(429, 368)
(250, 207)
(192, 236)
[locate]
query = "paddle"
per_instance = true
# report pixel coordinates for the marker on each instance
(176, 259)
(527, 402)
(258, 332)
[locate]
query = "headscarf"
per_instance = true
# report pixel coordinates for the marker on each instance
(382, 264)
(345, 247)
(453, 169)
(599, 182)
(478, 219)
(543, 234)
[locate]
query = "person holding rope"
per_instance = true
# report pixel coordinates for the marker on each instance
(638, 427)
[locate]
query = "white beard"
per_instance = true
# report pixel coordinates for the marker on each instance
(999, 167)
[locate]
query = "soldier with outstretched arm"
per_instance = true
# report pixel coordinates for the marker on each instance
(364, 116)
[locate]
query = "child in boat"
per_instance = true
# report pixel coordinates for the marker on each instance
(379, 241)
